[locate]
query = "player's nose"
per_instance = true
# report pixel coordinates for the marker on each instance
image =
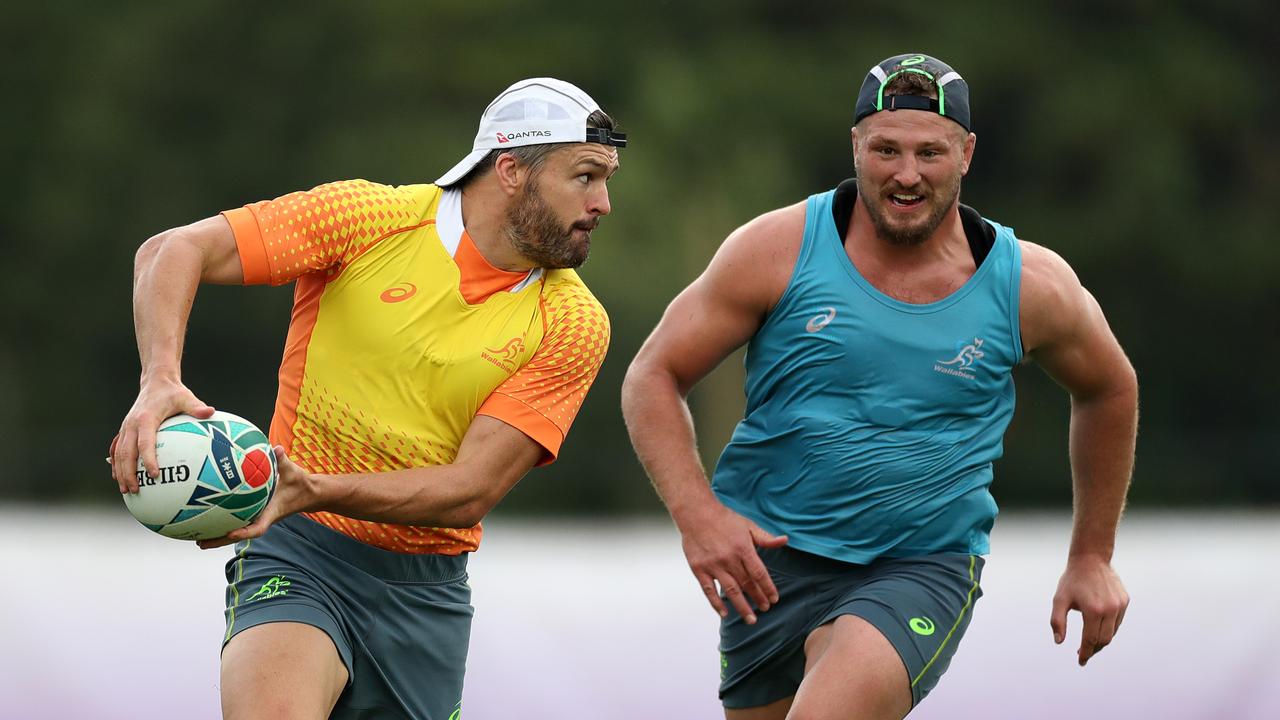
(598, 201)
(907, 174)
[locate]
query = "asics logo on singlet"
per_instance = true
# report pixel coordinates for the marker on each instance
(960, 365)
(400, 292)
(505, 356)
(817, 322)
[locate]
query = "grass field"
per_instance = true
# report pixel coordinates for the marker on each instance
(601, 621)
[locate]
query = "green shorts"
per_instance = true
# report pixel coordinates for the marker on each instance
(921, 604)
(400, 622)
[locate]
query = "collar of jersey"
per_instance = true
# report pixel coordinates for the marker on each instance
(478, 279)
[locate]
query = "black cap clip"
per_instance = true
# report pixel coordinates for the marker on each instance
(605, 136)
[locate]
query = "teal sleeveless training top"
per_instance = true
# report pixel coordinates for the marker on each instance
(871, 424)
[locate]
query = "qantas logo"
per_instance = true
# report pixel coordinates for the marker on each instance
(523, 134)
(399, 293)
(505, 356)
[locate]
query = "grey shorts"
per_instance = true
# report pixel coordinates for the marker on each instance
(922, 605)
(400, 622)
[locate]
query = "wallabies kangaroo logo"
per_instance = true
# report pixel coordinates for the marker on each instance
(966, 357)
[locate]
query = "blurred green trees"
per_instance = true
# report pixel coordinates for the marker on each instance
(1135, 138)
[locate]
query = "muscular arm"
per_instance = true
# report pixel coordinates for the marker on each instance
(715, 315)
(167, 270)
(1066, 333)
(492, 458)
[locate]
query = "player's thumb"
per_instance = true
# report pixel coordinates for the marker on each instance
(765, 540)
(195, 407)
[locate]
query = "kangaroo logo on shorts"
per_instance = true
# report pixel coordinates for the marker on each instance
(274, 587)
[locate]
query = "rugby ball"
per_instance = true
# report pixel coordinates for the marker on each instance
(215, 476)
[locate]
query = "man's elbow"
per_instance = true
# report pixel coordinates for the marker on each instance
(630, 381)
(149, 249)
(1125, 384)
(467, 512)
(642, 380)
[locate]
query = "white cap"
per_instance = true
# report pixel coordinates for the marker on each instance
(532, 112)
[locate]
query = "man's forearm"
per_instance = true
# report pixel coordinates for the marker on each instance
(166, 275)
(661, 430)
(491, 460)
(436, 496)
(1103, 436)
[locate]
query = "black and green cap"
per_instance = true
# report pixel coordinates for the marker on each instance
(953, 93)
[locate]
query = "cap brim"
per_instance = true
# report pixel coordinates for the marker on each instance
(457, 172)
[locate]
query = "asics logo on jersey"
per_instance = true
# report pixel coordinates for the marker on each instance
(274, 587)
(964, 360)
(817, 322)
(505, 356)
(400, 292)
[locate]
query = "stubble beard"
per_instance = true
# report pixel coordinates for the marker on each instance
(537, 234)
(909, 235)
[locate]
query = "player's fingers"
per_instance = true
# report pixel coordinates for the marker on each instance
(1106, 632)
(1058, 618)
(111, 461)
(1124, 606)
(762, 590)
(752, 589)
(708, 586)
(1090, 635)
(124, 462)
(214, 542)
(253, 530)
(1111, 620)
(765, 540)
(147, 448)
(731, 591)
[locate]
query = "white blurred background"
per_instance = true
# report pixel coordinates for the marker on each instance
(590, 621)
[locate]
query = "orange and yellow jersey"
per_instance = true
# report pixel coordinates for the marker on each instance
(402, 333)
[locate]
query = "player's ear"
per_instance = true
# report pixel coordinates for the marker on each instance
(970, 141)
(510, 172)
(853, 140)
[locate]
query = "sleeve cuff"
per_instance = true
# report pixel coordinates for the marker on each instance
(253, 252)
(527, 420)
